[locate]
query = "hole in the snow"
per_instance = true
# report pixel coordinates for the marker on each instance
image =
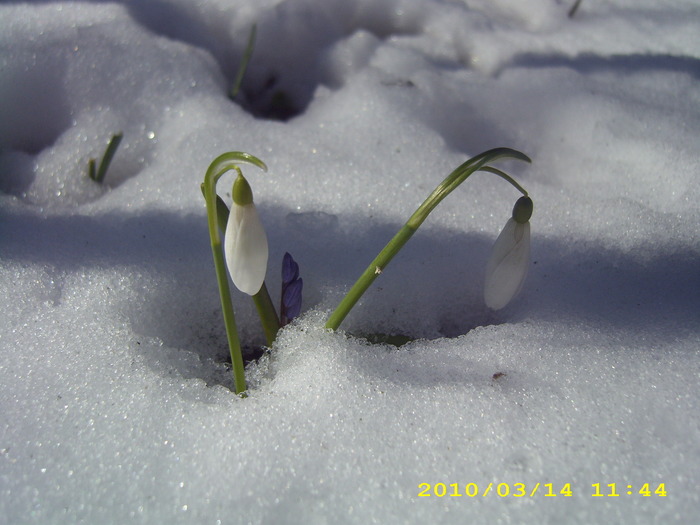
(272, 101)
(48, 133)
(293, 38)
(293, 52)
(33, 114)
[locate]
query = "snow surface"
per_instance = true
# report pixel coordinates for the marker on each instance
(115, 396)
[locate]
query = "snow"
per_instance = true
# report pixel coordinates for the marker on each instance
(115, 397)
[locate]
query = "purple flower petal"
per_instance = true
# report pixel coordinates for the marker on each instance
(291, 299)
(290, 269)
(291, 290)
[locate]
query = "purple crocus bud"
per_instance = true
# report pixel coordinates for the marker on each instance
(290, 269)
(291, 290)
(291, 299)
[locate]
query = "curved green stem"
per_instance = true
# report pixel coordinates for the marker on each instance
(459, 175)
(506, 177)
(454, 179)
(221, 165)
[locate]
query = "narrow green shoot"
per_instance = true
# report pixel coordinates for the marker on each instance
(267, 313)
(99, 174)
(457, 177)
(244, 62)
(574, 8)
(217, 168)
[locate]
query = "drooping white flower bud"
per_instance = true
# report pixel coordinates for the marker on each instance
(510, 258)
(245, 241)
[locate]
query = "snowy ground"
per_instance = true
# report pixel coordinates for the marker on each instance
(115, 401)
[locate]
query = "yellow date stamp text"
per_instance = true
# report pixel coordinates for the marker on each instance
(523, 490)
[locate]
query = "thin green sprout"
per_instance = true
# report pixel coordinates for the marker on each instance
(244, 62)
(574, 8)
(99, 175)
(459, 175)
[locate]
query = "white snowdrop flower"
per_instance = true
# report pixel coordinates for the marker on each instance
(510, 258)
(245, 241)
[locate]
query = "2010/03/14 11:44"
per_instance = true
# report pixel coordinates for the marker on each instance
(519, 490)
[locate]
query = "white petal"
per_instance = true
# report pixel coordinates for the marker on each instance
(508, 265)
(245, 247)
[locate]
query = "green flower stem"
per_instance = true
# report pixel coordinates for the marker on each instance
(457, 177)
(221, 165)
(267, 313)
(263, 303)
(370, 274)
